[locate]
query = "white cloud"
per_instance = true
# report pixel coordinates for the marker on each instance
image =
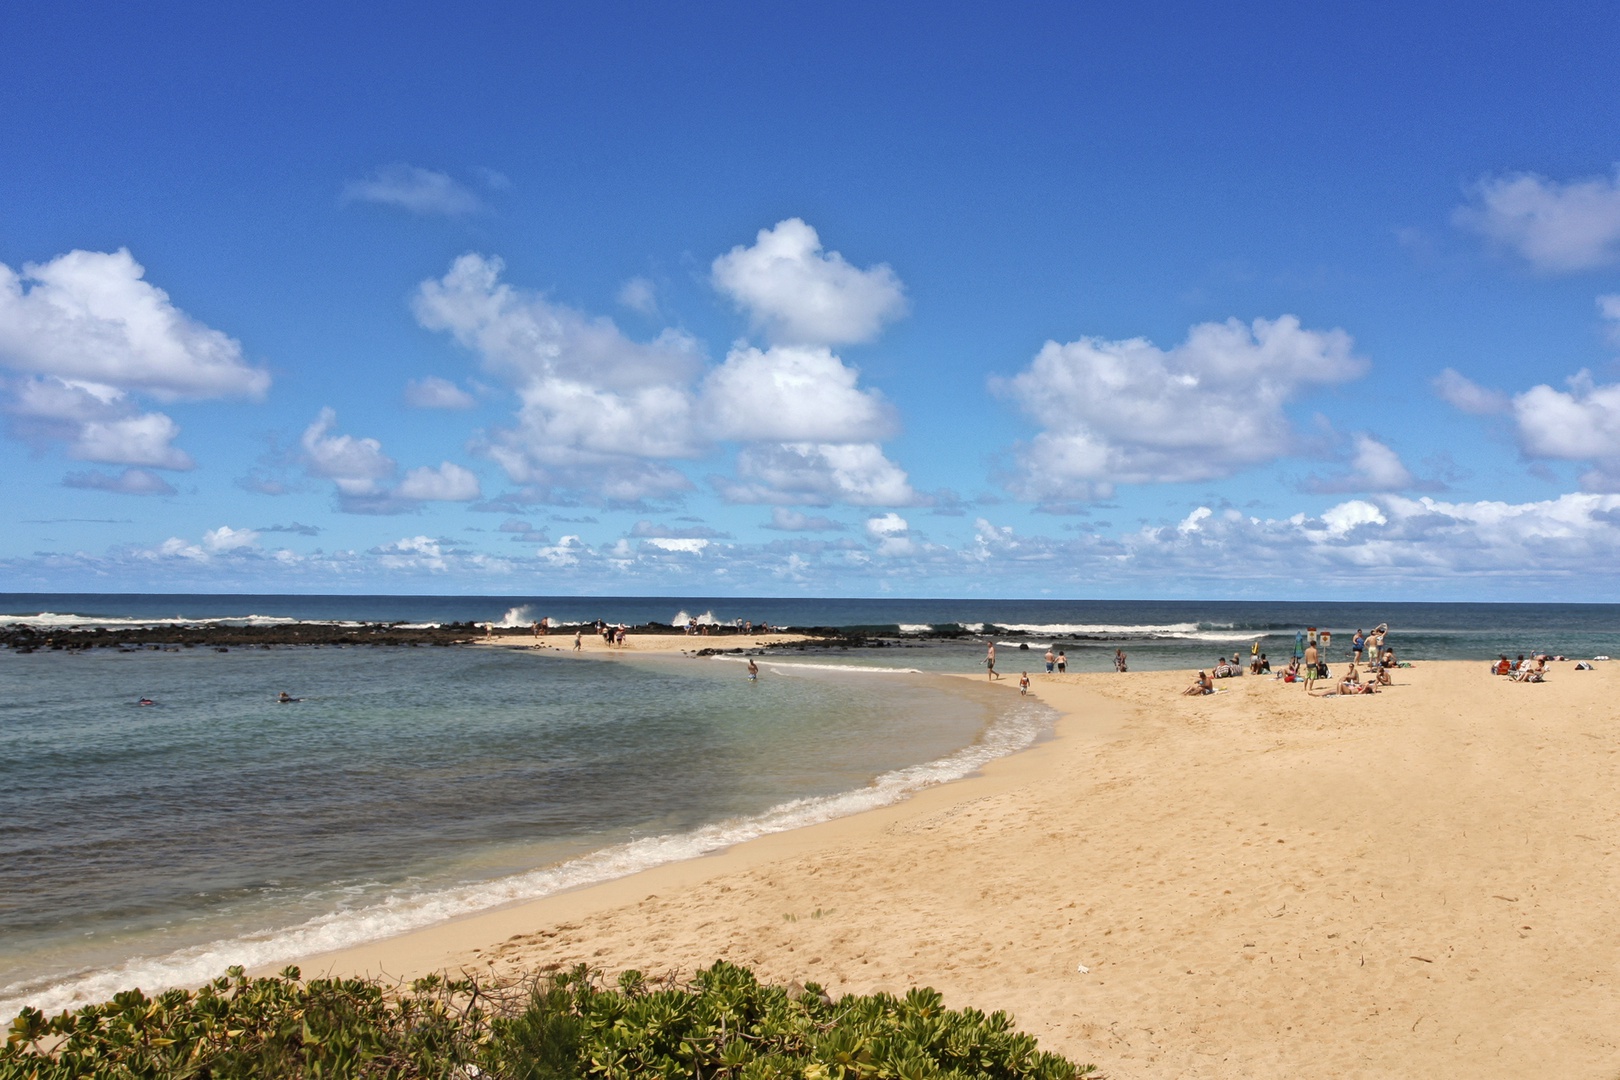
(1346, 516)
(412, 553)
(97, 422)
(1580, 424)
(357, 466)
(131, 440)
(88, 316)
(692, 545)
(890, 524)
(1557, 226)
(421, 191)
(798, 294)
(818, 474)
(640, 295)
(128, 482)
(448, 483)
(1128, 412)
(792, 393)
(436, 393)
(1373, 467)
(599, 412)
(226, 538)
(1465, 394)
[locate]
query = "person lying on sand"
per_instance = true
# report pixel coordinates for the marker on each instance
(1347, 688)
(1203, 685)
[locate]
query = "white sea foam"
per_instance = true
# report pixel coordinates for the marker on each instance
(518, 616)
(916, 628)
(1013, 730)
(113, 622)
(705, 619)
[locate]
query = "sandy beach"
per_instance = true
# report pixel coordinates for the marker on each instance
(1254, 884)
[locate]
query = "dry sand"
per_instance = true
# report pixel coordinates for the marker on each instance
(1417, 884)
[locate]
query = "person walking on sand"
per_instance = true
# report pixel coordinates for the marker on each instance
(578, 642)
(1310, 665)
(1023, 684)
(990, 661)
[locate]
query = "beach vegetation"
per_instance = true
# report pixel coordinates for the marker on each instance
(723, 1024)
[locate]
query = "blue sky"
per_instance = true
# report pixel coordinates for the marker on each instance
(1071, 300)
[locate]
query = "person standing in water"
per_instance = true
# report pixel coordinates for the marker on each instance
(753, 670)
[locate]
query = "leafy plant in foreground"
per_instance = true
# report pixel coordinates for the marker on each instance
(724, 1025)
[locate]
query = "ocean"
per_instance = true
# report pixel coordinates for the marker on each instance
(155, 846)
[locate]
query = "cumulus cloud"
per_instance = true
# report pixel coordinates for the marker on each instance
(448, 483)
(1463, 393)
(796, 293)
(436, 393)
(1578, 424)
(90, 316)
(599, 412)
(1128, 412)
(604, 418)
(1556, 226)
(363, 473)
(87, 333)
(1373, 467)
(690, 545)
(226, 538)
(356, 466)
(128, 482)
(793, 393)
(409, 187)
(817, 474)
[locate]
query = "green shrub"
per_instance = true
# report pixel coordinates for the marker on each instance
(724, 1025)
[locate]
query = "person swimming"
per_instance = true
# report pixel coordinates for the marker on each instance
(285, 698)
(146, 701)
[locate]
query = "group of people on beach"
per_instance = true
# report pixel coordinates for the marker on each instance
(1309, 664)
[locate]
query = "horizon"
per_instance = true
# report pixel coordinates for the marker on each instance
(1209, 305)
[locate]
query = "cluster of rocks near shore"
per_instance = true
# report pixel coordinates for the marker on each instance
(26, 638)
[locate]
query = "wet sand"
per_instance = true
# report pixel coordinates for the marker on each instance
(1422, 883)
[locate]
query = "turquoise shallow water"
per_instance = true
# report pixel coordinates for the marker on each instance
(156, 845)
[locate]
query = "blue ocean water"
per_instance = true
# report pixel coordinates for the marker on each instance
(155, 845)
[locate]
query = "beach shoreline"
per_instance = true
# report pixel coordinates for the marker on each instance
(1259, 884)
